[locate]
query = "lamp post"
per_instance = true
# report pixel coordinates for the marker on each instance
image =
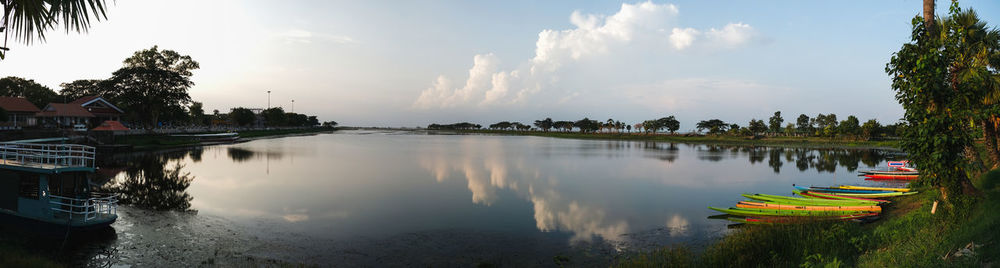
(293, 106)
(268, 99)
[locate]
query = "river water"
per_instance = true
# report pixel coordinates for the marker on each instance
(410, 198)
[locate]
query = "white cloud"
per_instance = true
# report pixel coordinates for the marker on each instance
(301, 36)
(733, 34)
(297, 36)
(682, 38)
(635, 28)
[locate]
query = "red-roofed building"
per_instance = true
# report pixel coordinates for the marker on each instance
(20, 111)
(102, 109)
(64, 115)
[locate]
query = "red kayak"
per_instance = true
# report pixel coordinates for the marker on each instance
(891, 177)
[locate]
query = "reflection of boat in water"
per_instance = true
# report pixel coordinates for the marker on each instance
(213, 137)
(49, 186)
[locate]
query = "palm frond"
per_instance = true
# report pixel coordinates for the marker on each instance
(30, 19)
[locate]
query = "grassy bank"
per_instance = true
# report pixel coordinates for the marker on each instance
(163, 141)
(908, 235)
(707, 139)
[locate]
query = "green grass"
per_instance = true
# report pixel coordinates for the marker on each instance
(707, 139)
(908, 235)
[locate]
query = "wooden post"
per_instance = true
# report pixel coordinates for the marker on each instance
(934, 207)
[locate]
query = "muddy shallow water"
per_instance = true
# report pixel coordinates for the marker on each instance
(395, 198)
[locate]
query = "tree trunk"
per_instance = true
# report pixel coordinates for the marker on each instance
(990, 142)
(928, 13)
(977, 162)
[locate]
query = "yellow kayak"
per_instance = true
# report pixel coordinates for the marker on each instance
(852, 187)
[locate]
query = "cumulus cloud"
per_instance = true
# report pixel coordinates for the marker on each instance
(682, 38)
(645, 25)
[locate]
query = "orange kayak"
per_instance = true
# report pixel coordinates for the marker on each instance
(761, 205)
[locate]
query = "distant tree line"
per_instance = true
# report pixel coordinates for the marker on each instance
(822, 125)
(463, 125)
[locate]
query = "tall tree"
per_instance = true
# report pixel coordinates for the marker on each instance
(545, 124)
(774, 123)
(242, 116)
(670, 123)
(30, 19)
(152, 83)
(849, 126)
(757, 126)
(936, 105)
(803, 124)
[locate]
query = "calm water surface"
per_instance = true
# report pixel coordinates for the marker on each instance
(362, 197)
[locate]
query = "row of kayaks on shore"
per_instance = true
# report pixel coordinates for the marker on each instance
(844, 202)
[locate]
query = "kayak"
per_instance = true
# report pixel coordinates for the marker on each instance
(776, 220)
(891, 172)
(764, 205)
(807, 201)
(891, 177)
(838, 190)
(852, 187)
(892, 194)
(790, 213)
(837, 197)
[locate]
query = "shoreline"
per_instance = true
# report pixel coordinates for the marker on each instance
(796, 142)
(148, 143)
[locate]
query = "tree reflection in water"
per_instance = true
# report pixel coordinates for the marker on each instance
(149, 182)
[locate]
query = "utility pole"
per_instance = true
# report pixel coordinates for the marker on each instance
(268, 99)
(293, 106)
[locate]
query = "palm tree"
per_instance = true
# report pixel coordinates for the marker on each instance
(30, 19)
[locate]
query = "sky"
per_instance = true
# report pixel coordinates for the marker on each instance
(412, 63)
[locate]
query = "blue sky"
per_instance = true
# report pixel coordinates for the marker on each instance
(408, 63)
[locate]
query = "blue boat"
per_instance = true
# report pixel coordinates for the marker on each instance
(48, 186)
(838, 190)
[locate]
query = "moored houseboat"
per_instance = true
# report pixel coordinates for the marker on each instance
(49, 186)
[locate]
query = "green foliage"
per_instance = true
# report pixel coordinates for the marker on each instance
(774, 123)
(870, 129)
(545, 124)
(168, 60)
(274, 116)
(82, 88)
(147, 94)
(242, 116)
(35, 93)
(28, 20)
(463, 125)
(849, 126)
(790, 129)
(587, 125)
(757, 127)
(803, 124)
(924, 75)
(714, 126)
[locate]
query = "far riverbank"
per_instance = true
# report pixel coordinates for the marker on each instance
(785, 141)
(152, 142)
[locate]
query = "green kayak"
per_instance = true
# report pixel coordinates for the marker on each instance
(807, 201)
(778, 212)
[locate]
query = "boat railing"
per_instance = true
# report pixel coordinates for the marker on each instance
(46, 155)
(86, 209)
